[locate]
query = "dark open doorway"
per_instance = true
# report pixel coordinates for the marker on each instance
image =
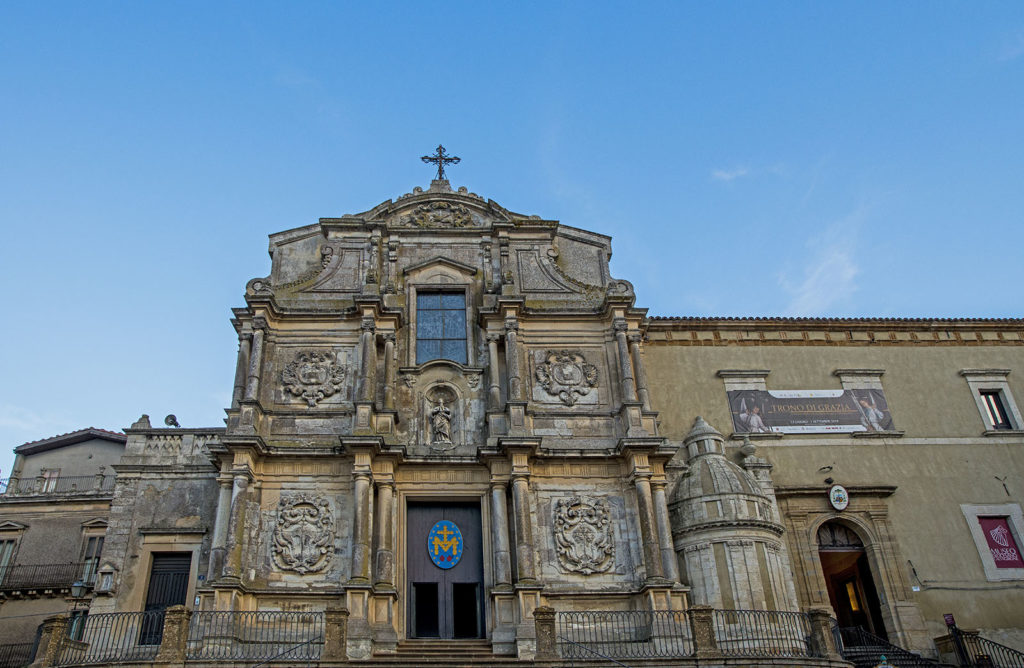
(851, 588)
(445, 601)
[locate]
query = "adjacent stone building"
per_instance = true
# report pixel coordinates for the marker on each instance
(446, 415)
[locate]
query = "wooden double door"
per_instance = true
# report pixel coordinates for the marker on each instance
(444, 601)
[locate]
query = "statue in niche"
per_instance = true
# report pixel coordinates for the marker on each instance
(441, 423)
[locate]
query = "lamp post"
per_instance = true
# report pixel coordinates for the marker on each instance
(77, 593)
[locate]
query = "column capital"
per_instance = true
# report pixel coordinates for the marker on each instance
(635, 337)
(620, 324)
(389, 337)
(259, 323)
(368, 324)
(493, 337)
(511, 323)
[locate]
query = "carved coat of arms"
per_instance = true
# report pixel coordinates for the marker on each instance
(439, 214)
(313, 375)
(583, 535)
(304, 534)
(567, 375)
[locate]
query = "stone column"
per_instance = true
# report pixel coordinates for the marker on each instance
(389, 371)
(494, 389)
(524, 526)
(241, 367)
(174, 641)
(368, 364)
(385, 564)
(668, 554)
(703, 630)
(499, 531)
(641, 373)
(547, 640)
(335, 631)
(648, 526)
(236, 524)
(512, 359)
(361, 527)
(625, 365)
(220, 530)
(252, 385)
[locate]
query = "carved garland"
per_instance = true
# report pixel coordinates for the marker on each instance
(567, 375)
(304, 534)
(313, 375)
(583, 535)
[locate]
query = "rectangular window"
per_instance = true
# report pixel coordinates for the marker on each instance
(91, 559)
(994, 409)
(440, 326)
(1004, 549)
(6, 557)
(49, 479)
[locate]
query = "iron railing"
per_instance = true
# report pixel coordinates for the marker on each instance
(256, 636)
(75, 484)
(973, 651)
(45, 576)
(16, 655)
(623, 634)
(109, 637)
(864, 649)
(762, 633)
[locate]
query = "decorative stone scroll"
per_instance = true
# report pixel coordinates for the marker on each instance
(313, 375)
(439, 214)
(304, 534)
(583, 535)
(567, 375)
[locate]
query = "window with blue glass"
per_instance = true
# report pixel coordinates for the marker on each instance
(441, 327)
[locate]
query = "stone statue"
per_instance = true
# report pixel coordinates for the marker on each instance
(441, 422)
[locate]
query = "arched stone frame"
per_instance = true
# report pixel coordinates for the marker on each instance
(806, 509)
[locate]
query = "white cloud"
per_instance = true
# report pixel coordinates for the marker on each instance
(729, 174)
(21, 419)
(829, 276)
(1013, 48)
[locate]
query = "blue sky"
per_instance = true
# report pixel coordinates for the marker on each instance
(748, 158)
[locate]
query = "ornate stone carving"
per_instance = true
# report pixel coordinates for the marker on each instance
(313, 375)
(567, 375)
(583, 535)
(304, 534)
(438, 214)
(326, 255)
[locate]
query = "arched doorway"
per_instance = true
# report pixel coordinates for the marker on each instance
(851, 589)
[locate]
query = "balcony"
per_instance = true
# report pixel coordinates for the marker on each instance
(58, 486)
(40, 578)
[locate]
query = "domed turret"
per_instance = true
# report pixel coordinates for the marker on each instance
(724, 528)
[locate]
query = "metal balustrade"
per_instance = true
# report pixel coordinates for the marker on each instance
(623, 634)
(15, 655)
(60, 485)
(973, 651)
(256, 636)
(109, 637)
(45, 576)
(762, 633)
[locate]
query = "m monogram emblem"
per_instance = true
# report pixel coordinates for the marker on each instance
(444, 544)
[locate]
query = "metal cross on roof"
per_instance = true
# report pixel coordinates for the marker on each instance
(441, 159)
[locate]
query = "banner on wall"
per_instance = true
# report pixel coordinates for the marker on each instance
(809, 411)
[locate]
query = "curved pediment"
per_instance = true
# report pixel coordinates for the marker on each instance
(440, 207)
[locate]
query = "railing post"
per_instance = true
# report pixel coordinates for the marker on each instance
(823, 643)
(174, 642)
(54, 630)
(547, 641)
(701, 624)
(335, 634)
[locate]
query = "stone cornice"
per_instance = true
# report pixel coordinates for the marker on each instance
(835, 331)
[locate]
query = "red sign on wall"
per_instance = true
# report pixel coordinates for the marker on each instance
(1003, 547)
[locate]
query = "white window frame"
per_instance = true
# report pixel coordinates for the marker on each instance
(1014, 519)
(994, 380)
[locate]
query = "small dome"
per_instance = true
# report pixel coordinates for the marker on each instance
(709, 476)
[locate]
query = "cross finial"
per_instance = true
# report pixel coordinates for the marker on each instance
(440, 158)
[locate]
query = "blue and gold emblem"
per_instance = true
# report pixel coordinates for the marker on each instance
(444, 544)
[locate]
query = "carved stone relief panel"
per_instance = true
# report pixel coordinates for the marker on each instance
(584, 541)
(565, 376)
(304, 533)
(313, 375)
(438, 214)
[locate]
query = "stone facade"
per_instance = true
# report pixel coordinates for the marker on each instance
(441, 353)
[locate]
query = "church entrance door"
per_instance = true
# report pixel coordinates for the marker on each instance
(444, 552)
(851, 589)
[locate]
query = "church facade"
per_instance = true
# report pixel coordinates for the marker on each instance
(447, 415)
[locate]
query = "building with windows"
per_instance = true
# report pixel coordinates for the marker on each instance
(53, 518)
(447, 417)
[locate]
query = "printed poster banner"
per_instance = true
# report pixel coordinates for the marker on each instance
(809, 411)
(1000, 542)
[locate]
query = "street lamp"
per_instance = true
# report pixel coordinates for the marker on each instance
(77, 592)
